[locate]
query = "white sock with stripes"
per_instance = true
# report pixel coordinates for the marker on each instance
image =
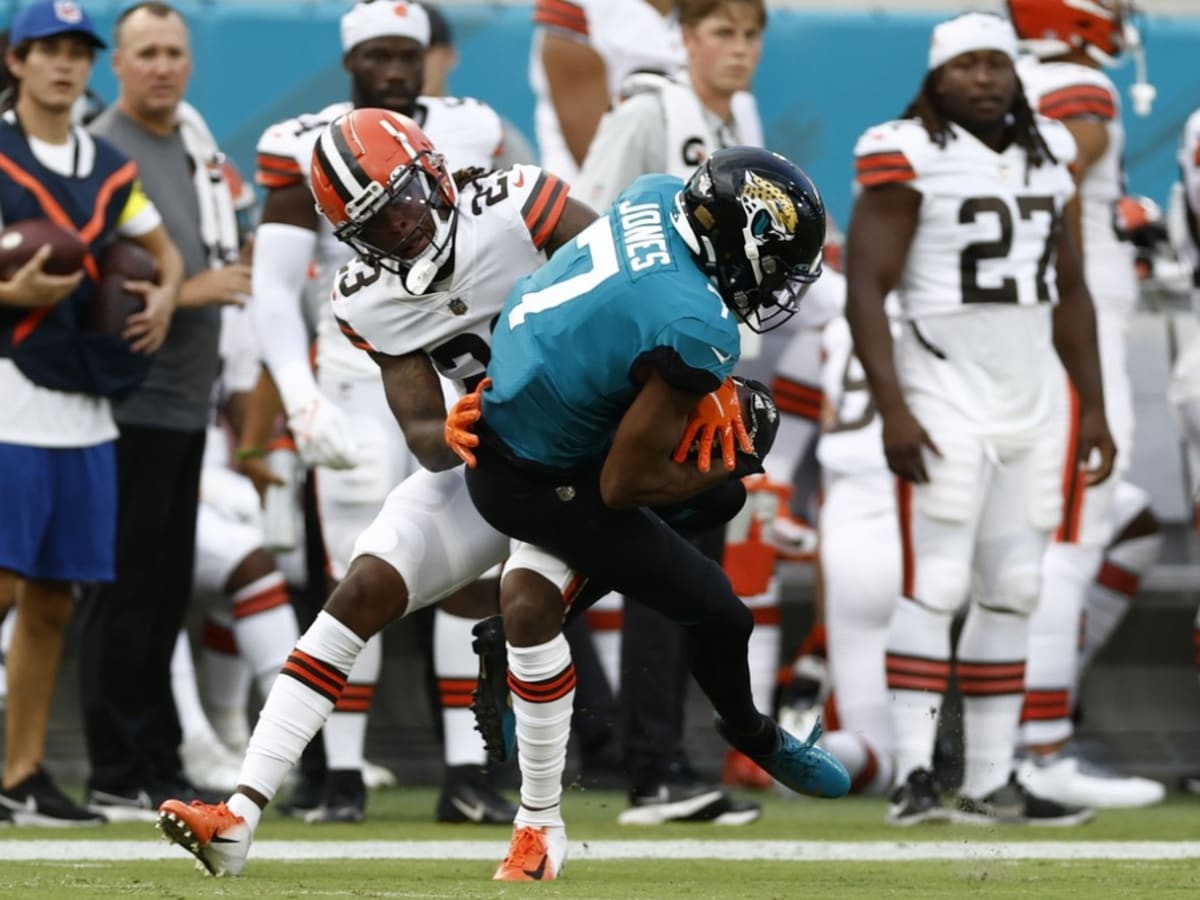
(457, 667)
(542, 680)
(300, 701)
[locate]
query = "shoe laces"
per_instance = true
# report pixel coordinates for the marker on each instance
(528, 847)
(813, 736)
(220, 816)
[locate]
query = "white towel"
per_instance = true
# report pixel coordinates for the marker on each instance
(218, 218)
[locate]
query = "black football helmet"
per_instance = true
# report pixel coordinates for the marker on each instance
(756, 225)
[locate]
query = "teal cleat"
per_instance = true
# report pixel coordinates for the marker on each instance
(802, 766)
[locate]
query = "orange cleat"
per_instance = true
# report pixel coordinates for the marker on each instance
(536, 854)
(219, 839)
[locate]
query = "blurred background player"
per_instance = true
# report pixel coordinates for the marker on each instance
(583, 52)
(1184, 388)
(1063, 81)
(129, 628)
(340, 417)
(966, 399)
(58, 436)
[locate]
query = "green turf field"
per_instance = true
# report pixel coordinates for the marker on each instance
(829, 849)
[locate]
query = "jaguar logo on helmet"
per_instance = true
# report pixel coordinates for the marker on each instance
(755, 224)
(770, 213)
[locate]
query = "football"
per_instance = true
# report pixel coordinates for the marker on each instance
(112, 304)
(21, 240)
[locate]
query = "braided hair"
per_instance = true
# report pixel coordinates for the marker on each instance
(926, 107)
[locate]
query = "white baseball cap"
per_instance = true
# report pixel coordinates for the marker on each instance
(970, 32)
(371, 19)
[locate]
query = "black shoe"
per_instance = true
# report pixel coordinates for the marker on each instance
(491, 703)
(1190, 784)
(1012, 804)
(38, 801)
(675, 803)
(304, 797)
(467, 797)
(917, 800)
(344, 799)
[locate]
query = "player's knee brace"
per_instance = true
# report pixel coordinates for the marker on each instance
(942, 585)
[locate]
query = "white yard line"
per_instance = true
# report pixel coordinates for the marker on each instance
(794, 851)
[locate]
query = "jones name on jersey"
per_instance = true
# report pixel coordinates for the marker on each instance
(505, 220)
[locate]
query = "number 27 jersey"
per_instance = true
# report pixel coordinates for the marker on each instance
(987, 221)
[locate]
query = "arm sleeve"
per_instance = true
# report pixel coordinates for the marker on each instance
(541, 198)
(562, 16)
(281, 257)
(623, 148)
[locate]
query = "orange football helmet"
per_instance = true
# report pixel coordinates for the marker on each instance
(1103, 28)
(1070, 24)
(386, 191)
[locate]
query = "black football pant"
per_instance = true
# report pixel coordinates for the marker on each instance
(128, 628)
(654, 685)
(632, 551)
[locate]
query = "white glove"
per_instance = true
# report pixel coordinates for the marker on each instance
(322, 431)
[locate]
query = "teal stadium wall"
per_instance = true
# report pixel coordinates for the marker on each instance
(825, 77)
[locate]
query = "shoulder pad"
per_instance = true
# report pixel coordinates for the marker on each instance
(893, 152)
(283, 149)
(1070, 91)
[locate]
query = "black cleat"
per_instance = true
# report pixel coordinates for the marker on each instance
(343, 801)
(1013, 804)
(467, 797)
(491, 703)
(917, 800)
(304, 798)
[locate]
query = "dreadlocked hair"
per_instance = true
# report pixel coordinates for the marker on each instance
(924, 106)
(471, 175)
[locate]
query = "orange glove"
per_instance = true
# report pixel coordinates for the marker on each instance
(459, 432)
(717, 414)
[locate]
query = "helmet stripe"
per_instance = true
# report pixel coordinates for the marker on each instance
(346, 175)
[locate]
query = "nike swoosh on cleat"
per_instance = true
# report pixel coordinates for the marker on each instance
(473, 811)
(538, 873)
(217, 839)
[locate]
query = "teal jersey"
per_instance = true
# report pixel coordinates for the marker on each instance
(626, 291)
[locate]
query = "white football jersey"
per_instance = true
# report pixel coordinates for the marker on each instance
(851, 441)
(1189, 173)
(1063, 90)
(979, 279)
(466, 131)
(504, 223)
(986, 222)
